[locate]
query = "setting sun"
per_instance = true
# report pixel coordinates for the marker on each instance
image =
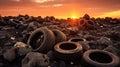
(74, 17)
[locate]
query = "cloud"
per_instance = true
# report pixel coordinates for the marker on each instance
(44, 6)
(57, 5)
(111, 14)
(42, 1)
(16, 0)
(50, 6)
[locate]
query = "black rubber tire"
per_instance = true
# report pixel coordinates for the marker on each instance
(82, 42)
(59, 36)
(67, 51)
(47, 43)
(99, 58)
(90, 25)
(82, 22)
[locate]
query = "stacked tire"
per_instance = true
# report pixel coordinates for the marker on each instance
(43, 39)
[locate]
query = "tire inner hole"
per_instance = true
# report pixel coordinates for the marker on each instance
(90, 22)
(77, 40)
(100, 57)
(37, 40)
(82, 22)
(68, 46)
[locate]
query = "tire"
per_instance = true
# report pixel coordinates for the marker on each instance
(47, 38)
(99, 58)
(90, 25)
(82, 42)
(67, 51)
(82, 22)
(59, 36)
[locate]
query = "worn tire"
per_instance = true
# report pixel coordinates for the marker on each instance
(82, 42)
(59, 36)
(90, 25)
(48, 40)
(99, 58)
(68, 51)
(82, 22)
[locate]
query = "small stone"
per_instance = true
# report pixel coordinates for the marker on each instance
(12, 38)
(20, 44)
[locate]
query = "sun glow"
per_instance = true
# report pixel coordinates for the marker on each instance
(74, 17)
(74, 20)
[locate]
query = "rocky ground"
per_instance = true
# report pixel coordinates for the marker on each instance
(99, 32)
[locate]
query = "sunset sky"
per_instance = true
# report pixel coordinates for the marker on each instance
(61, 8)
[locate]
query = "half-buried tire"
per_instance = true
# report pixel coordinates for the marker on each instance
(67, 51)
(42, 40)
(99, 58)
(59, 35)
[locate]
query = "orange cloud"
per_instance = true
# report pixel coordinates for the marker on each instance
(16, 0)
(41, 1)
(57, 5)
(114, 14)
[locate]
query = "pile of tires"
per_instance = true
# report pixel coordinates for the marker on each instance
(44, 39)
(86, 23)
(74, 50)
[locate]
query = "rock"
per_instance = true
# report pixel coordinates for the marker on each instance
(34, 59)
(20, 44)
(22, 48)
(22, 51)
